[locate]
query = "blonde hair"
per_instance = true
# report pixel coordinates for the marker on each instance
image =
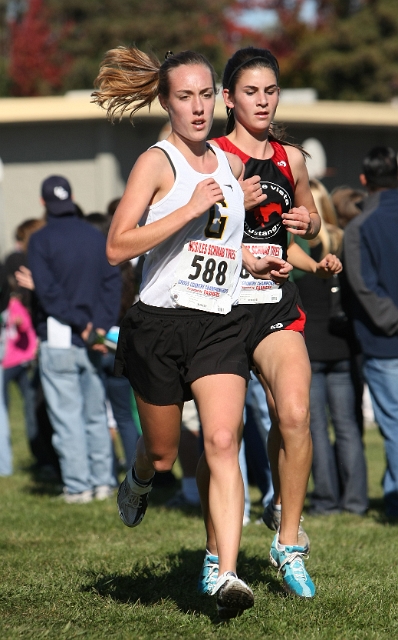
(330, 235)
(130, 79)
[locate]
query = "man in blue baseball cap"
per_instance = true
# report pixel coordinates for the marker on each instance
(77, 290)
(56, 194)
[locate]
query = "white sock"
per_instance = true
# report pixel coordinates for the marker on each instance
(280, 547)
(190, 490)
(276, 507)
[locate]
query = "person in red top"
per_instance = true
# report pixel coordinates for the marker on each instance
(278, 200)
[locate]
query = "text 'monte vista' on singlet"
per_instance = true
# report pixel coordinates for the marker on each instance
(198, 267)
(264, 233)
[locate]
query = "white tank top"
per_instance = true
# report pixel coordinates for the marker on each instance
(198, 267)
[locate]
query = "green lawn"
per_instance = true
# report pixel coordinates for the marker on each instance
(74, 571)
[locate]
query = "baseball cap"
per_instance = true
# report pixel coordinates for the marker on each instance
(57, 195)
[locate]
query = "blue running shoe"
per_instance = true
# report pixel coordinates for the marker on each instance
(272, 519)
(290, 563)
(209, 575)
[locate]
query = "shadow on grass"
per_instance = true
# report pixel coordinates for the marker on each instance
(53, 487)
(43, 481)
(174, 578)
(378, 505)
(160, 499)
(46, 489)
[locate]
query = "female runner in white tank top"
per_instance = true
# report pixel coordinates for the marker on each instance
(183, 207)
(276, 344)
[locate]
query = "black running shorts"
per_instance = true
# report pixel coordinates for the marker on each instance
(161, 351)
(270, 317)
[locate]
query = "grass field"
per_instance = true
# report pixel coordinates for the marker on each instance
(74, 571)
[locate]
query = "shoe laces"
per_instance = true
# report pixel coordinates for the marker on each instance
(295, 560)
(209, 569)
(133, 500)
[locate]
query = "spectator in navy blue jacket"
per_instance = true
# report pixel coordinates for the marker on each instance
(77, 291)
(371, 263)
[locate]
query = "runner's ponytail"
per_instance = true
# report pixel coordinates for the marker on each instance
(128, 80)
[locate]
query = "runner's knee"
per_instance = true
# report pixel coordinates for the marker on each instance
(163, 462)
(222, 442)
(294, 418)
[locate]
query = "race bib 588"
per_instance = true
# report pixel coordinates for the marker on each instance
(205, 277)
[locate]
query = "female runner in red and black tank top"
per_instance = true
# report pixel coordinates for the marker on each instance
(278, 200)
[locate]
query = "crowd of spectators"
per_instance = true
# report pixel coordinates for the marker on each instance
(61, 304)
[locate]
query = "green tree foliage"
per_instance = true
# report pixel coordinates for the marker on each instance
(75, 34)
(158, 26)
(350, 52)
(356, 58)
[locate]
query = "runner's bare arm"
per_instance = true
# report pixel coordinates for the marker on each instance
(325, 268)
(299, 258)
(303, 219)
(150, 180)
(267, 268)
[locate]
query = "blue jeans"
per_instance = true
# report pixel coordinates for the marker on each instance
(243, 470)
(256, 438)
(339, 470)
(118, 391)
(381, 374)
(254, 444)
(75, 400)
(21, 376)
(5, 445)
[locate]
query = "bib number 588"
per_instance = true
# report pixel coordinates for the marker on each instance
(209, 270)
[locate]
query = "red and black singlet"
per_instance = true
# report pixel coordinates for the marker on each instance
(263, 224)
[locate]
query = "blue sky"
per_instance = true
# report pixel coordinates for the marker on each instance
(261, 18)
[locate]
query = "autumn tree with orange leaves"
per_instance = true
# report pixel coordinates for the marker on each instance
(37, 65)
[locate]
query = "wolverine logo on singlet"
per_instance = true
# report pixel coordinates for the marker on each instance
(264, 222)
(263, 213)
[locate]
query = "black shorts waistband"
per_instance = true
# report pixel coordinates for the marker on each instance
(181, 312)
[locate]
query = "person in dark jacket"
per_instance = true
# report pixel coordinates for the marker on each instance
(339, 469)
(78, 292)
(370, 258)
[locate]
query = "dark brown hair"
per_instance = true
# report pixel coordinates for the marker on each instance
(251, 58)
(130, 79)
(380, 168)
